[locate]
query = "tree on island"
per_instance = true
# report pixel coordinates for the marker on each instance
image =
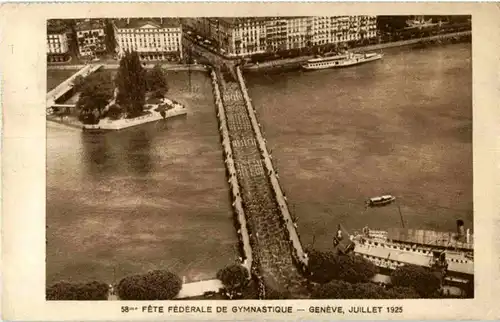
(326, 266)
(96, 90)
(156, 80)
(131, 83)
(422, 279)
(65, 291)
(234, 278)
(155, 285)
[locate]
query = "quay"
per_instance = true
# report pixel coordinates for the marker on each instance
(297, 61)
(277, 255)
(116, 65)
(116, 125)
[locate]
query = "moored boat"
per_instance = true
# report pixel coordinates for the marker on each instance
(341, 60)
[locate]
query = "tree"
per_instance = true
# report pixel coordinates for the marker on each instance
(78, 82)
(326, 266)
(131, 84)
(234, 278)
(156, 80)
(96, 90)
(115, 112)
(422, 279)
(65, 291)
(355, 269)
(321, 266)
(344, 290)
(155, 285)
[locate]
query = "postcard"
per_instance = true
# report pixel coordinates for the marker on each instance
(219, 161)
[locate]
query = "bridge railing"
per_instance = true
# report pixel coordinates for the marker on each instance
(289, 222)
(233, 179)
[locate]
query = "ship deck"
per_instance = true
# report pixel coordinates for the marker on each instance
(429, 238)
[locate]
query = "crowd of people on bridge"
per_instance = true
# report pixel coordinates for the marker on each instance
(258, 198)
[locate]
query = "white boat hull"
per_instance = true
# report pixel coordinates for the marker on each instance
(341, 64)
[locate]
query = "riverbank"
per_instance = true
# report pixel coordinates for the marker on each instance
(152, 116)
(169, 67)
(297, 61)
(116, 125)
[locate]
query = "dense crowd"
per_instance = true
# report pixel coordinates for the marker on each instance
(268, 235)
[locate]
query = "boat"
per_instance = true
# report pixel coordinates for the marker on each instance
(380, 201)
(340, 60)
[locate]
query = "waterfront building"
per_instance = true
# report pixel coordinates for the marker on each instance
(91, 37)
(254, 35)
(151, 38)
(57, 40)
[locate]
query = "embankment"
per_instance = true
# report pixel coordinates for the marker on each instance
(297, 61)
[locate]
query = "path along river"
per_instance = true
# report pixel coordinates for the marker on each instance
(156, 196)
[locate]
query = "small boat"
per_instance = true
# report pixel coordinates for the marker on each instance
(380, 201)
(341, 60)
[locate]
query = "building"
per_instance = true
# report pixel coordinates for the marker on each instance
(57, 41)
(151, 38)
(254, 35)
(91, 37)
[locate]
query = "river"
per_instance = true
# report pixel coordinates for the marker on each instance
(150, 197)
(156, 196)
(402, 125)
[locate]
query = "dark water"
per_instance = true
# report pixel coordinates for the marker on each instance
(151, 197)
(402, 125)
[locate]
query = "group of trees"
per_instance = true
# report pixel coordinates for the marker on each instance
(236, 281)
(65, 291)
(349, 277)
(327, 266)
(96, 91)
(132, 82)
(338, 289)
(155, 285)
(425, 282)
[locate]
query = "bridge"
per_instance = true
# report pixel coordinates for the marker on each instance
(267, 228)
(67, 85)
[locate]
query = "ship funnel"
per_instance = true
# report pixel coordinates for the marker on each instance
(468, 236)
(460, 229)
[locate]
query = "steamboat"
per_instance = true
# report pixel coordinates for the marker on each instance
(342, 60)
(450, 253)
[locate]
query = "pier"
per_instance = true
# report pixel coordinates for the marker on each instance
(272, 248)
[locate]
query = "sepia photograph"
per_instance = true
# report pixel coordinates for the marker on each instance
(259, 158)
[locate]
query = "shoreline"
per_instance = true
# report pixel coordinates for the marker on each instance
(296, 61)
(168, 67)
(116, 125)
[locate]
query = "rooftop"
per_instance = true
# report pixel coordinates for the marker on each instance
(56, 26)
(133, 23)
(89, 24)
(241, 20)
